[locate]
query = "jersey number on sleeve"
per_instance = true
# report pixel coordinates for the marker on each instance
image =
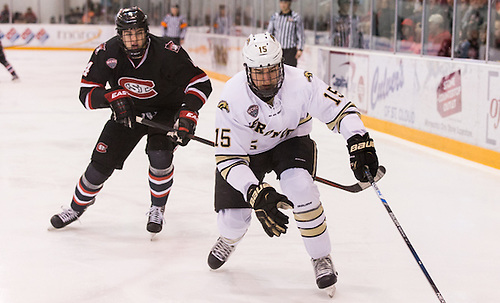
(333, 95)
(222, 136)
(87, 69)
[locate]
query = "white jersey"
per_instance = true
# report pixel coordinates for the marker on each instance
(245, 125)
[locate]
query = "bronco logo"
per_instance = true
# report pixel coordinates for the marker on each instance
(138, 88)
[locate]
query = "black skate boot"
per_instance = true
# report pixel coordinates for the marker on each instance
(326, 276)
(155, 219)
(66, 217)
(220, 253)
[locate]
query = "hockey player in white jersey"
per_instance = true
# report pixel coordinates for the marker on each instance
(263, 122)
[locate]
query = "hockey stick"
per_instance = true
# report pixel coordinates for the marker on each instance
(407, 241)
(357, 187)
(170, 131)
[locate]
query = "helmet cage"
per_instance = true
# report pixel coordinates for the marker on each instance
(132, 18)
(263, 58)
(265, 82)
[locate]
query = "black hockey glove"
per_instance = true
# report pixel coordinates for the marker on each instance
(122, 106)
(266, 201)
(185, 125)
(362, 153)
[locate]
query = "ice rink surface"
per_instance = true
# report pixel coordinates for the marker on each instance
(448, 207)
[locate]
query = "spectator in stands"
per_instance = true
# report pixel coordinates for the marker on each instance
(469, 47)
(221, 22)
(494, 51)
(29, 16)
(18, 17)
(346, 31)
(384, 19)
(174, 25)
(407, 36)
(5, 14)
(384, 25)
(89, 12)
(439, 39)
(75, 16)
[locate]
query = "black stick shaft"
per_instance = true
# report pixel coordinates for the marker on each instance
(350, 188)
(405, 238)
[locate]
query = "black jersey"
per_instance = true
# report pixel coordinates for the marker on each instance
(164, 79)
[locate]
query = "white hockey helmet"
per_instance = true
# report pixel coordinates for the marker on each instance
(263, 52)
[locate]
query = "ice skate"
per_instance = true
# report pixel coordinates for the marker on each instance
(220, 253)
(326, 275)
(155, 220)
(64, 218)
(15, 78)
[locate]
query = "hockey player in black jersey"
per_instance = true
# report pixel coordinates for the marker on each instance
(149, 77)
(7, 65)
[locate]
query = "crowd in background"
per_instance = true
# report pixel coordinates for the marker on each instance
(426, 27)
(18, 17)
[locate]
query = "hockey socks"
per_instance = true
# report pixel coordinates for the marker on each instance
(160, 184)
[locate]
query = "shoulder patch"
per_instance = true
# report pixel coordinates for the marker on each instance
(171, 46)
(308, 75)
(100, 47)
(223, 105)
(111, 62)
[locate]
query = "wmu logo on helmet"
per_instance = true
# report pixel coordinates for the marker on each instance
(138, 88)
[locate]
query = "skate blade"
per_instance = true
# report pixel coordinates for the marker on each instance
(331, 290)
(153, 236)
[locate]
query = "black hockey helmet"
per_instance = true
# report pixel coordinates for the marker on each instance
(132, 18)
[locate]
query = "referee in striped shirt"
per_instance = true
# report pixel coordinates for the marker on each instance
(288, 29)
(174, 26)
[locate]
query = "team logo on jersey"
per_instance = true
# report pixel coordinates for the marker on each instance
(253, 110)
(223, 105)
(308, 75)
(172, 46)
(99, 48)
(101, 148)
(138, 88)
(111, 62)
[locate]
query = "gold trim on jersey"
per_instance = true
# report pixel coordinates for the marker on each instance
(239, 160)
(313, 232)
(336, 121)
(305, 120)
(309, 215)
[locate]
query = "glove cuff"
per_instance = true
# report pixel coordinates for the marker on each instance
(254, 192)
(116, 94)
(189, 114)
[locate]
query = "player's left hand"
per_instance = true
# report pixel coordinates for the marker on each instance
(362, 153)
(185, 125)
(265, 201)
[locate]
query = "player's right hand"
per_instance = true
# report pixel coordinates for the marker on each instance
(362, 153)
(185, 125)
(266, 201)
(122, 106)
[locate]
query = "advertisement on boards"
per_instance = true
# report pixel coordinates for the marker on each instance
(492, 116)
(349, 75)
